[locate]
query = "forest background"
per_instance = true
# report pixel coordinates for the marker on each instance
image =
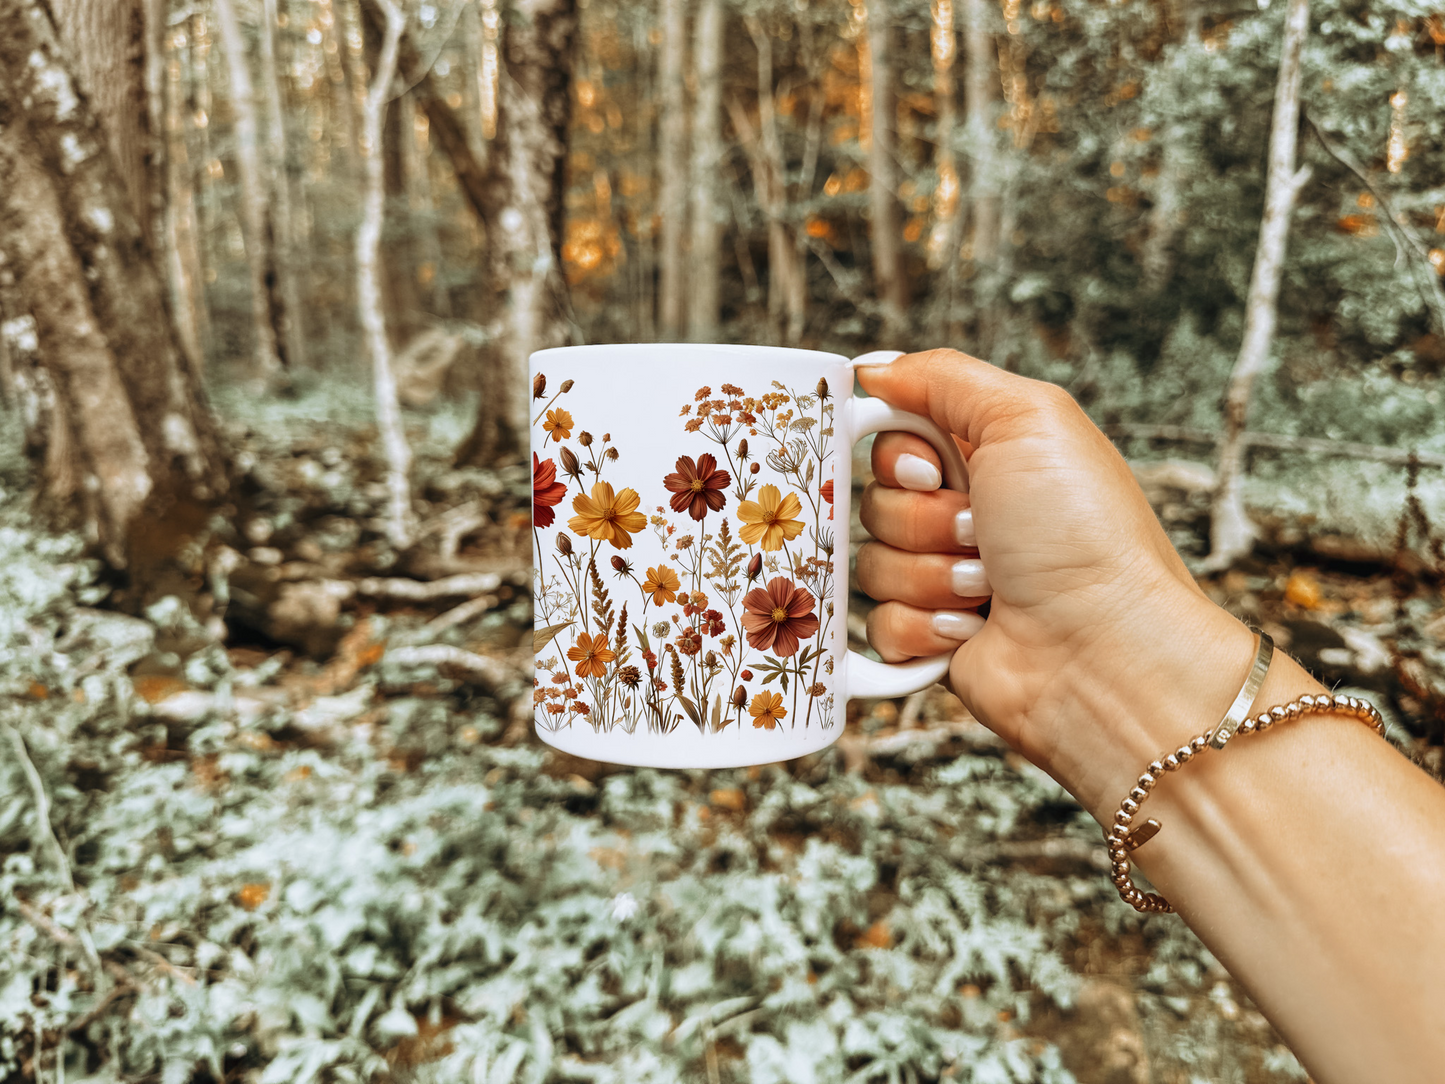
(270, 807)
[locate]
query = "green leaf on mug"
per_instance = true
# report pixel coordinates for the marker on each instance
(717, 713)
(542, 637)
(691, 709)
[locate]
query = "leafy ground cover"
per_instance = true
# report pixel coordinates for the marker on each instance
(327, 847)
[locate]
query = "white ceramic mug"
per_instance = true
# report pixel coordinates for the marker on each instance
(690, 560)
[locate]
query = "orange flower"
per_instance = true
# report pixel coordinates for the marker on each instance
(662, 584)
(771, 519)
(606, 517)
(767, 710)
(826, 492)
(546, 491)
(591, 654)
(558, 424)
(779, 617)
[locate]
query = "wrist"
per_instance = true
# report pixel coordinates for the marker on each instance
(1153, 686)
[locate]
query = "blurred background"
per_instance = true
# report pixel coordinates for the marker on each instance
(270, 804)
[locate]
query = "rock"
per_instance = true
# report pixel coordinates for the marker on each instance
(101, 640)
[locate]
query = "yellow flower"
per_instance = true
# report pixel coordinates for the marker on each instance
(770, 519)
(591, 654)
(608, 518)
(662, 584)
(767, 710)
(559, 424)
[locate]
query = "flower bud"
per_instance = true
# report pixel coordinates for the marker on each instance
(612, 454)
(755, 468)
(569, 463)
(743, 449)
(584, 438)
(566, 387)
(755, 566)
(606, 437)
(619, 564)
(823, 387)
(539, 385)
(746, 675)
(740, 696)
(564, 545)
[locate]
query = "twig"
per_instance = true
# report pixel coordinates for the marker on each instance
(458, 615)
(492, 671)
(61, 936)
(118, 990)
(42, 803)
(474, 583)
(1183, 434)
(1421, 270)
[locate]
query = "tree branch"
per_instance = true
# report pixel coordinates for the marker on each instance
(1405, 238)
(1183, 434)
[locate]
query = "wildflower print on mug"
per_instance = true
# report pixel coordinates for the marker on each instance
(689, 585)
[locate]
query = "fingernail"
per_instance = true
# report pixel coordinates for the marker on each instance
(957, 626)
(915, 472)
(963, 532)
(876, 357)
(969, 579)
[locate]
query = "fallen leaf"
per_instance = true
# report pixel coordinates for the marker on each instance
(729, 798)
(1303, 590)
(153, 688)
(252, 896)
(877, 935)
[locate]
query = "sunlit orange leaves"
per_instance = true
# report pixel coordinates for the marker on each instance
(252, 896)
(592, 248)
(1358, 225)
(876, 936)
(153, 688)
(1303, 590)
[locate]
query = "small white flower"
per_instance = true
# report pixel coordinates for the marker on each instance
(624, 906)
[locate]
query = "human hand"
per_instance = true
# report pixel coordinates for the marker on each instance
(1099, 649)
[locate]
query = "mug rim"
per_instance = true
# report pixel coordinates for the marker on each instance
(666, 352)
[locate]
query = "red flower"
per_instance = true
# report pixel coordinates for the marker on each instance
(547, 492)
(827, 492)
(697, 487)
(779, 617)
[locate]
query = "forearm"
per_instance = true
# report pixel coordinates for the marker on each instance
(1311, 860)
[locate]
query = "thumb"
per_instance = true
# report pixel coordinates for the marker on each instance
(978, 402)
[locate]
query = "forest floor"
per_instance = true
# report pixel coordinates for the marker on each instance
(336, 685)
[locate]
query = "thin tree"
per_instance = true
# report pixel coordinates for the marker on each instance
(399, 520)
(267, 363)
(139, 467)
(885, 215)
(286, 251)
(1232, 533)
(984, 203)
(1157, 257)
(672, 167)
(944, 239)
(704, 270)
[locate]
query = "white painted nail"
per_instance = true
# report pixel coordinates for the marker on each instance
(916, 473)
(876, 357)
(963, 532)
(970, 580)
(957, 626)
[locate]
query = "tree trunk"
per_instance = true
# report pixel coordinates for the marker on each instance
(106, 41)
(885, 215)
(142, 465)
(416, 182)
(179, 244)
(943, 240)
(672, 170)
(1157, 258)
(525, 244)
(268, 364)
(787, 282)
(982, 77)
(704, 268)
(399, 520)
(286, 251)
(1232, 533)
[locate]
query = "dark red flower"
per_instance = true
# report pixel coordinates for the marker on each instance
(779, 616)
(827, 493)
(547, 492)
(697, 487)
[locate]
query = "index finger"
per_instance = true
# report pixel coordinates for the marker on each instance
(979, 402)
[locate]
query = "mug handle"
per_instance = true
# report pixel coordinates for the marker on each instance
(862, 677)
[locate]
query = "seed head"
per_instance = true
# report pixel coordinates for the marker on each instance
(539, 385)
(740, 696)
(584, 438)
(823, 388)
(564, 545)
(755, 566)
(566, 387)
(755, 468)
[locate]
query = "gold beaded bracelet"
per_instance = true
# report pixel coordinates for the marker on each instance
(1122, 838)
